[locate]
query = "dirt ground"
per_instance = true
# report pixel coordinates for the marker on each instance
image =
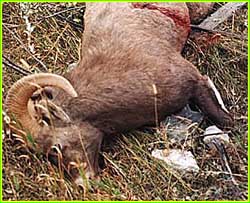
(129, 172)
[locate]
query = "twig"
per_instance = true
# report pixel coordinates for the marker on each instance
(224, 158)
(44, 69)
(54, 44)
(75, 25)
(60, 12)
(15, 67)
(155, 106)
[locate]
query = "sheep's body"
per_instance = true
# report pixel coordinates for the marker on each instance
(126, 50)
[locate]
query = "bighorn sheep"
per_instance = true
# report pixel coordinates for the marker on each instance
(127, 49)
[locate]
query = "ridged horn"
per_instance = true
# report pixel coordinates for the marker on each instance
(20, 93)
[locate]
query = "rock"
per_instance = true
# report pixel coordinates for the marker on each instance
(181, 160)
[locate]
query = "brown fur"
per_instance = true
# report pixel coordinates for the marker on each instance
(198, 11)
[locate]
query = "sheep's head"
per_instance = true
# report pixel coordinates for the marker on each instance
(29, 102)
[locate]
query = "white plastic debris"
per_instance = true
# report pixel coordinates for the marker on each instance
(212, 132)
(72, 66)
(245, 23)
(3, 135)
(181, 160)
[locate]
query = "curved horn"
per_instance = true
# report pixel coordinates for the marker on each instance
(20, 93)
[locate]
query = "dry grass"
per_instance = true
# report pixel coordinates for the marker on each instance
(129, 171)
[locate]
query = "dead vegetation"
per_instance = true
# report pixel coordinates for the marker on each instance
(129, 171)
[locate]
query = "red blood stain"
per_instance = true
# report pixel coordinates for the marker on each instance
(179, 18)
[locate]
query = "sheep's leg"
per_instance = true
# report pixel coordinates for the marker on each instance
(208, 101)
